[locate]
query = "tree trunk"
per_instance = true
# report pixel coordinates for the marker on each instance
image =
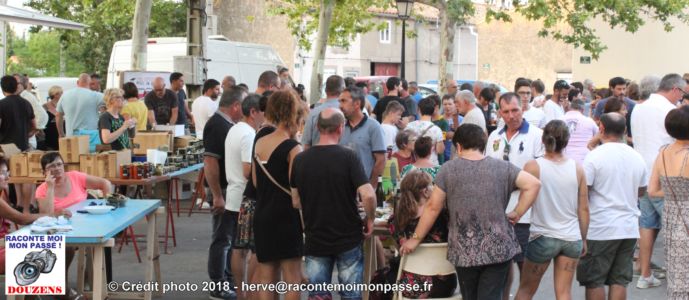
(447, 50)
(140, 34)
(324, 18)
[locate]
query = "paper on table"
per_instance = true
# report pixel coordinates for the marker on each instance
(155, 156)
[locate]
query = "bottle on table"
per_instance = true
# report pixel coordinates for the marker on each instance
(380, 194)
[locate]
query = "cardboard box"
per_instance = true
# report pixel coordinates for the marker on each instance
(71, 167)
(108, 163)
(184, 141)
(87, 164)
(73, 146)
(19, 165)
(34, 163)
(152, 140)
(8, 150)
(176, 130)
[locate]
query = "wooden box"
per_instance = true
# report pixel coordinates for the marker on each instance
(73, 146)
(108, 163)
(184, 141)
(152, 140)
(71, 167)
(34, 164)
(19, 165)
(87, 164)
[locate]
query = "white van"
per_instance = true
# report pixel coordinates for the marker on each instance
(244, 61)
(41, 85)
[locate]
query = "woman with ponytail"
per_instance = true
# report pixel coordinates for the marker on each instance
(559, 216)
(416, 188)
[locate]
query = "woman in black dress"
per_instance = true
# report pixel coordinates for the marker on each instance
(51, 135)
(277, 226)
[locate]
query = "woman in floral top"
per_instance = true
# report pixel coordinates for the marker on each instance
(422, 150)
(416, 188)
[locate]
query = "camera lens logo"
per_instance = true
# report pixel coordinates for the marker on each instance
(34, 264)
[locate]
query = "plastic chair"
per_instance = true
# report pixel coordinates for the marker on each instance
(429, 260)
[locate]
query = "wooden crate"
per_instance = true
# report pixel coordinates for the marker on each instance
(73, 146)
(34, 164)
(152, 140)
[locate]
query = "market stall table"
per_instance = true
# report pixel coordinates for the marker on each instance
(175, 177)
(98, 231)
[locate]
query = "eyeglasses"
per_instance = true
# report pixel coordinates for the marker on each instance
(506, 152)
(54, 166)
(684, 94)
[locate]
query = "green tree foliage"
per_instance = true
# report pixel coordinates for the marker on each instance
(350, 17)
(39, 55)
(108, 21)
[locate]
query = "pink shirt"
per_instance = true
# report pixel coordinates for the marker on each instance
(581, 130)
(76, 195)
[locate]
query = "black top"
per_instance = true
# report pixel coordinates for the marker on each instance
(250, 190)
(409, 107)
(217, 126)
(51, 134)
(327, 178)
(382, 104)
(109, 122)
(182, 114)
(16, 114)
(277, 226)
(161, 107)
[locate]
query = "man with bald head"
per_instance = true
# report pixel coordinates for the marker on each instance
(332, 224)
(78, 108)
(228, 82)
(161, 104)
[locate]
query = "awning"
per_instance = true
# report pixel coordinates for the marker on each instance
(14, 14)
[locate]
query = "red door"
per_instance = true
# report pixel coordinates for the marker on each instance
(386, 69)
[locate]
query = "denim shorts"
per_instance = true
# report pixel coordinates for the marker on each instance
(350, 270)
(607, 263)
(543, 249)
(651, 212)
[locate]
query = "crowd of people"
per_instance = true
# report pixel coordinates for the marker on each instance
(580, 177)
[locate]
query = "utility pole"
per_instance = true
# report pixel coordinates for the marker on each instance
(140, 34)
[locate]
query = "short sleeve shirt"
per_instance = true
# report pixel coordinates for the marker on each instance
(203, 109)
(365, 139)
(331, 217)
(16, 114)
(109, 122)
(137, 110)
(218, 126)
(161, 107)
(479, 232)
(310, 135)
(80, 107)
(238, 150)
(430, 130)
(76, 195)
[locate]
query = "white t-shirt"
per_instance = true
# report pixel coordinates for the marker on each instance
(475, 116)
(554, 214)
(553, 111)
(435, 133)
(389, 134)
(238, 145)
(534, 116)
(203, 109)
(648, 127)
(524, 146)
(614, 173)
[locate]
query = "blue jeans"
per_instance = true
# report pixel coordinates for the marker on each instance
(651, 212)
(350, 270)
(219, 254)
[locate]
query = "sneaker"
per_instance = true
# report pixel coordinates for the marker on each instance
(659, 274)
(223, 295)
(648, 282)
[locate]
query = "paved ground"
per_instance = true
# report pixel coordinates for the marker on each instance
(188, 260)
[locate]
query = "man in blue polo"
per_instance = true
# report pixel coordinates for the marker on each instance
(333, 88)
(517, 142)
(362, 134)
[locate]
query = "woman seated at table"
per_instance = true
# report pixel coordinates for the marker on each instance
(114, 130)
(416, 189)
(7, 213)
(63, 189)
(423, 148)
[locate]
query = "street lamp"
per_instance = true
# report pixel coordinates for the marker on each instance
(404, 8)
